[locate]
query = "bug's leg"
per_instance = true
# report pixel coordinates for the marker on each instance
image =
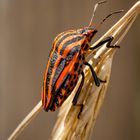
(110, 39)
(75, 99)
(107, 40)
(96, 79)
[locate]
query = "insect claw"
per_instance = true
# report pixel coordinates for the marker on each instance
(115, 46)
(102, 81)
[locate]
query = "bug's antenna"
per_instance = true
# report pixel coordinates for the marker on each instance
(94, 10)
(109, 15)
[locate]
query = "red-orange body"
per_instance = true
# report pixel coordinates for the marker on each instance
(66, 62)
(64, 66)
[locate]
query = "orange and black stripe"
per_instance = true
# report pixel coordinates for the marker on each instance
(65, 43)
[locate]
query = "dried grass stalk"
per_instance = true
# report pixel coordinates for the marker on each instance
(67, 125)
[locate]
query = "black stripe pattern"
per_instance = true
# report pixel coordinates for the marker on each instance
(73, 40)
(58, 71)
(51, 105)
(72, 52)
(64, 37)
(51, 66)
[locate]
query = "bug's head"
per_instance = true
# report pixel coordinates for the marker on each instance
(88, 32)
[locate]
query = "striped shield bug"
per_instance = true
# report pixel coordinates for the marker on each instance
(66, 62)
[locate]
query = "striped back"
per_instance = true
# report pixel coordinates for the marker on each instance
(66, 41)
(66, 46)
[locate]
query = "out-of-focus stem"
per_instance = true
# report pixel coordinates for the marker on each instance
(26, 121)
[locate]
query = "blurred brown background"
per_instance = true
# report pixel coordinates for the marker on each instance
(27, 28)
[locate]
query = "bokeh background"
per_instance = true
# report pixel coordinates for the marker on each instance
(27, 29)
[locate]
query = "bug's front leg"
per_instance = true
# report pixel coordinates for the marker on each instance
(96, 79)
(107, 40)
(75, 99)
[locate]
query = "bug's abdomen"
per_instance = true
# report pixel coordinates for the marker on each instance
(63, 69)
(64, 91)
(68, 84)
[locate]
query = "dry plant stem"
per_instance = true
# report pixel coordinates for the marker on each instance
(68, 126)
(26, 121)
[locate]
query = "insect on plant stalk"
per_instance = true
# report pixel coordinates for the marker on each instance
(67, 125)
(71, 127)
